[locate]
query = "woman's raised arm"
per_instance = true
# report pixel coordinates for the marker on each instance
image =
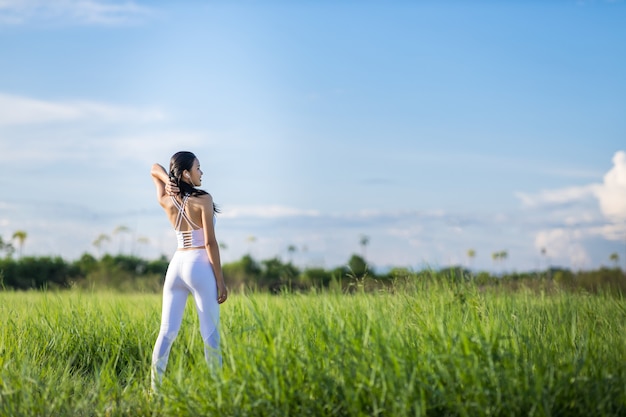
(160, 178)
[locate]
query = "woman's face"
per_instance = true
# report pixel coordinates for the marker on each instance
(195, 174)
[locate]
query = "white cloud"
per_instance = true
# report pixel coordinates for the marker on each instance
(564, 245)
(579, 223)
(611, 231)
(577, 218)
(60, 130)
(267, 212)
(410, 232)
(17, 110)
(151, 147)
(558, 196)
(91, 12)
(612, 193)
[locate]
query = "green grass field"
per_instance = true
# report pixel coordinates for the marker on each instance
(436, 351)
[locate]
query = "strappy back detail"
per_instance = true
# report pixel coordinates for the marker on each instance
(182, 214)
(187, 238)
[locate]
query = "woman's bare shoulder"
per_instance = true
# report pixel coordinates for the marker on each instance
(202, 200)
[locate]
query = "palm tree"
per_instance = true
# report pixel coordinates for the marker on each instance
(291, 249)
(143, 240)
(251, 239)
(20, 236)
(305, 249)
(503, 255)
(118, 230)
(614, 258)
(364, 241)
(544, 253)
(495, 256)
(100, 240)
(471, 254)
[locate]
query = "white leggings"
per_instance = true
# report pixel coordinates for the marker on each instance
(189, 272)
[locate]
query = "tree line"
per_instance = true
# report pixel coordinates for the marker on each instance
(131, 273)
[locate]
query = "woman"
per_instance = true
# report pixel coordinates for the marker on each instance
(195, 267)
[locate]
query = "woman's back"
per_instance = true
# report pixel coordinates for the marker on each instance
(185, 215)
(189, 208)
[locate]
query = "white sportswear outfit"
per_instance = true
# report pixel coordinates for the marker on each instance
(189, 272)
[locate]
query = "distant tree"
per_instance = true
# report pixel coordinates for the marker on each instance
(471, 254)
(316, 277)
(6, 247)
(251, 240)
(242, 273)
(99, 241)
(503, 256)
(86, 264)
(20, 236)
(275, 275)
(121, 230)
(499, 257)
(364, 241)
(495, 256)
(304, 250)
(544, 254)
(357, 266)
(142, 240)
(614, 258)
(291, 249)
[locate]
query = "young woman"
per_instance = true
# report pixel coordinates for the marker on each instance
(195, 267)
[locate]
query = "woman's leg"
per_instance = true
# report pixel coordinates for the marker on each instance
(204, 292)
(175, 295)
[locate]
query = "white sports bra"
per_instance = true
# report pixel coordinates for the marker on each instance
(189, 238)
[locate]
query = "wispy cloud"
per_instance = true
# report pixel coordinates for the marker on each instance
(267, 212)
(19, 110)
(84, 12)
(557, 196)
(49, 131)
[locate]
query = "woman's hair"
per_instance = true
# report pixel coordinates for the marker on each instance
(179, 162)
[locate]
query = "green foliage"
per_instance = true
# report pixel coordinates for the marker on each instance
(444, 349)
(238, 274)
(36, 273)
(130, 273)
(277, 276)
(605, 279)
(456, 274)
(357, 266)
(6, 247)
(316, 278)
(123, 273)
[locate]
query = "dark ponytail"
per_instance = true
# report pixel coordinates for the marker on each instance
(179, 162)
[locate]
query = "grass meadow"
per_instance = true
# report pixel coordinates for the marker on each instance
(437, 350)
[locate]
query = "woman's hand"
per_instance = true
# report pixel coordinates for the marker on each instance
(222, 292)
(171, 188)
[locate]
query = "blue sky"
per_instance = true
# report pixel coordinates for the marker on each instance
(430, 127)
